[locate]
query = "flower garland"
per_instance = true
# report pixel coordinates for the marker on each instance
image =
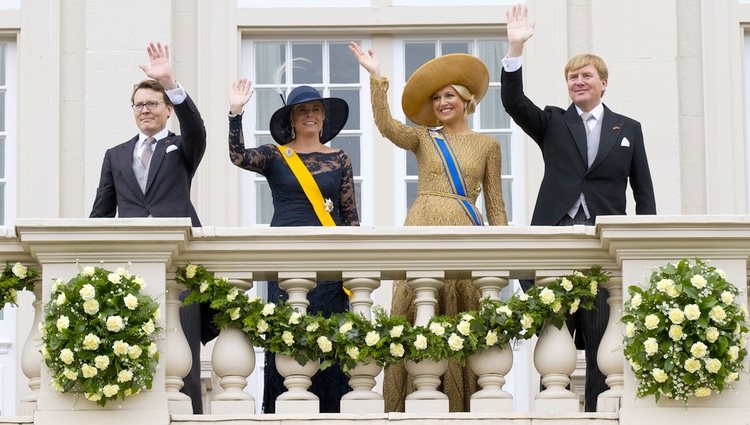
(348, 338)
(13, 279)
(98, 335)
(684, 334)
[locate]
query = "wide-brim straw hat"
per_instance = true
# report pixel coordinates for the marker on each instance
(336, 114)
(455, 68)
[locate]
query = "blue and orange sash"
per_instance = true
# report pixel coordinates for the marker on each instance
(455, 176)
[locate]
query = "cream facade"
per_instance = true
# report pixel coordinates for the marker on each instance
(677, 66)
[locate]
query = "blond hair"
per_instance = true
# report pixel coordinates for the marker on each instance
(471, 103)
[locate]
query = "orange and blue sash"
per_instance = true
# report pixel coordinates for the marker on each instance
(455, 176)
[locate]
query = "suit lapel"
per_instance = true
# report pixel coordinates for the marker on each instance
(160, 149)
(575, 125)
(125, 159)
(611, 127)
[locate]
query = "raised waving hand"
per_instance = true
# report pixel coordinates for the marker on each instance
(160, 69)
(239, 95)
(519, 29)
(366, 59)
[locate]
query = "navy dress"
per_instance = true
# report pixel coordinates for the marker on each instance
(332, 172)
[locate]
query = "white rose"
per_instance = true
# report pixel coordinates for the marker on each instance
(131, 301)
(491, 338)
(732, 377)
(664, 285)
(124, 375)
(651, 346)
(717, 314)
(734, 352)
(148, 327)
(526, 321)
(91, 342)
(294, 318)
(372, 338)
(594, 287)
(101, 362)
(659, 375)
(692, 365)
(61, 299)
(651, 322)
(88, 271)
(574, 305)
(72, 375)
(629, 329)
(673, 292)
(455, 342)
(722, 273)
(44, 350)
(467, 317)
(135, 351)
(56, 386)
(91, 307)
(140, 282)
(566, 284)
(120, 347)
(261, 326)
(504, 309)
(547, 296)
(20, 270)
(712, 334)
(692, 312)
(325, 344)
(636, 300)
(346, 327)
(420, 343)
(556, 306)
(352, 352)
(676, 316)
(93, 397)
(464, 328)
(288, 338)
(114, 278)
(703, 392)
(121, 271)
(62, 323)
(87, 292)
(698, 350)
(152, 349)
(396, 331)
(89, 371)
(190, 271)
(203, 287)
(234, 313)
(713, 365)
(312, 327)
(698, 281)
(268, 309)
(115, 323)
(727, 297)
(110, 390)
(636, 367)
(396, 350)
(66, 355)
(675, 332)
(523, 296)
(56, 283)
(437, 328)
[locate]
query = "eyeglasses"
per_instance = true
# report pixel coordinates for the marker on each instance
(138, 107)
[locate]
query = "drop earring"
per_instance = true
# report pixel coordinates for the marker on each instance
(293, 135)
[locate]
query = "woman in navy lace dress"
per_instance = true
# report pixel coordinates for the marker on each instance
(302, 126)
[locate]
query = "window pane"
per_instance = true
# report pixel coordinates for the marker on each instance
(308, 63)
(264, 139)
(411, 164)
(267, 102)
(264, 203)
(2, 203)
(2, 157)
(416, 54)
(411, 193)
(491, 111)
(2, 64)
(351, 96)
(491, 53)
(343, 65)
(508, 198)
(455, 47)
(358, 196)
(504, 140)
(268, 59)
(350, 145)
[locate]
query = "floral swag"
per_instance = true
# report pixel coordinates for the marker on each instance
(684, 334)
(98, 335)
(13, 279)
(349, 338)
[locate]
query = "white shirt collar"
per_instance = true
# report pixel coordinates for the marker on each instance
(158, 136)
(597, 112)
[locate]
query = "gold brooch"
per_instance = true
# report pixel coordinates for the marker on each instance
(329, 205)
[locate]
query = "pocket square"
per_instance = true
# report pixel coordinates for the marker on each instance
(171, 148)
(625, 142)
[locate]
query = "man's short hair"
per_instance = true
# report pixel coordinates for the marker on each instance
(151, 85)
(579, 61)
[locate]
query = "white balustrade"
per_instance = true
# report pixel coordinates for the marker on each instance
(610, 359)
(177, 359)
(31, 358)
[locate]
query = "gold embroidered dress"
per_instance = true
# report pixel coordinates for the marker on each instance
(478, 156)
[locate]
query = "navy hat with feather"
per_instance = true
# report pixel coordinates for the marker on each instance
(336, 114)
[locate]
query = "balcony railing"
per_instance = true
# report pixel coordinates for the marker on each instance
(625, 247)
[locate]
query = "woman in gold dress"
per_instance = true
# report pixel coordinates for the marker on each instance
(441, 93)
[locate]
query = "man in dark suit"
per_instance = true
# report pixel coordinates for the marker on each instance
(590, 153)
(150, 176)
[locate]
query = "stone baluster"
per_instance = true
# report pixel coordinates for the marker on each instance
(362, 399)
(555, 358)
(233, 360)
(297, 378)
(425, 374)
(177, 356)
(491, 366)
(31, 358)
(609, 357)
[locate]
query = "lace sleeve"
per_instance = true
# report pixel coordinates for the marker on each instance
(348, 200)
(493, 187)
(253, 159)
(397, 132)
